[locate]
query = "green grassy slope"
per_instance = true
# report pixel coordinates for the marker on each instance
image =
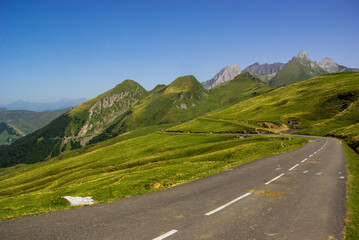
(24, 122)
(28, 121)
(242, 87)
(8, 134)
(130, 167)
(324, 105)
(185, 98)
(182, 99)
(70, 129)
(295, 71)
(125, 108)
(352, 219)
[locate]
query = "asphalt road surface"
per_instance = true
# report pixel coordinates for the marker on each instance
(295, 195)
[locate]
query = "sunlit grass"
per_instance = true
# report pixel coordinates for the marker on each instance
(130, 167)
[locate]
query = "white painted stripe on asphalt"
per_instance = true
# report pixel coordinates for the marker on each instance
(227, 204)
(290, 169)
(304, 160)
(163, 236)
(311, 155)
(274, 179)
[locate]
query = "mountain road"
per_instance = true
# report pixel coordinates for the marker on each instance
(294, 195)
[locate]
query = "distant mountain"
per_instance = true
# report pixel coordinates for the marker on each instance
(298, 69)
(332, 67)
(76, 127)
(49, 106)
(226, 74)
(125, 108)
(302, 68)
(28, 121)
(326, 105)
(8, 134)
(266, 68)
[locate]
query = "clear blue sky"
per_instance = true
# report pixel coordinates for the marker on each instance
(54, 49)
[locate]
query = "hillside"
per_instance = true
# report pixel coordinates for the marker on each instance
(28, 121)
(184, 99)
(298, 69)
(125, 108)
(8, 134)
(74, 128)
(128, 167)
(324, 105)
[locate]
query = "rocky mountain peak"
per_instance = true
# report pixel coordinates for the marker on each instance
(266, 68)
(329, 65)
(226, 74)
(303, 55)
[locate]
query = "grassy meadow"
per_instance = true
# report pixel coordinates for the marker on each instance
(352, 220)
(324, 105)
(128, 167)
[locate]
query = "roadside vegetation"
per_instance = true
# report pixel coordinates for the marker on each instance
(130, 167)
(327, 105)
(352, 220)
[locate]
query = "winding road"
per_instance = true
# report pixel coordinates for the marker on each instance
(295, 195)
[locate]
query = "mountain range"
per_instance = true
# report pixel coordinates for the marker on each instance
(299, 68)
(129, 106)
(45, 106)
(18, 123)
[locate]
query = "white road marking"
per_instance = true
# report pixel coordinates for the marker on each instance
(277, 169)
(304, 160)
(227, 204)
(305, 171)
(274, 179)
(311, 155)
(342, 177)
(290, 169)
(319, 173)
(163, 236)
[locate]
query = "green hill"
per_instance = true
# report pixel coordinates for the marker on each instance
(184, 99)
(324, 105)
(74, 128)
(296, 70)
(8, 134)
(25, 122)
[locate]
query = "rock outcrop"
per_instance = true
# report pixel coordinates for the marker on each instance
(266, 68)
(226, 74)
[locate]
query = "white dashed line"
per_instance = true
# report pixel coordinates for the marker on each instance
(227, 204)
(311, 155)
(305, 171)
(304, 160)
(163, 236)
(290, 169)
(319, 173)
(274, 179)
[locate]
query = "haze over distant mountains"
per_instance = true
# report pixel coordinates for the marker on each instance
(45, 106)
